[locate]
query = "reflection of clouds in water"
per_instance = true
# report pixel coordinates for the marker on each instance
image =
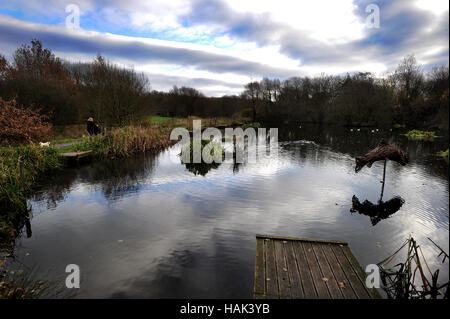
(194, 234)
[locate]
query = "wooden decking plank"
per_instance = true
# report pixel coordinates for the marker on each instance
(304, 271)
(351, 275)
(76, 154)
(271, 270)
(282, 271)
(319, 283)
(259, 287)
(287, 267)
(373, 293)
(344, 285)
(293, 270)
(330, 281)
(316, 240)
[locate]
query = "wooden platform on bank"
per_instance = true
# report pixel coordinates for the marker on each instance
(75, 157)
(304, 268)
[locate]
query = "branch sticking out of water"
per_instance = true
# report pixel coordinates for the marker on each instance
(401, 282)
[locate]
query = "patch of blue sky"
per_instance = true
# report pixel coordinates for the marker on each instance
(93, 21)
(37, 18)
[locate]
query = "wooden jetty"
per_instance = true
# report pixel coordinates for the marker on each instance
(304, 268)
(76, 156)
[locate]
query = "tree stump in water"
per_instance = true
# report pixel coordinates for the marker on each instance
(383, 151)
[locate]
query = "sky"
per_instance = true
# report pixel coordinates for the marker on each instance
(219, 46)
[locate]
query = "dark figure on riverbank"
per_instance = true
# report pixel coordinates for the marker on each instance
(383, 151)
(92, 127)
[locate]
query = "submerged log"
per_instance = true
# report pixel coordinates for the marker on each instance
(383, 151)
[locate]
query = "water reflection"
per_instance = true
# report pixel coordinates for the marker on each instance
(114, 178)
(201, 168)
(379, 211)
(149, 227)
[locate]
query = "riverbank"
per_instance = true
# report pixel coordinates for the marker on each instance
(22, 166)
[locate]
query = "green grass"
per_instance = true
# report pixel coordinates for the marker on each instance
(20, 167)
(67, 140)
(444, 155)
(421, 135)
(159, 119)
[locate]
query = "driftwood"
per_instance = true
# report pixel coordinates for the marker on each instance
(382, 152)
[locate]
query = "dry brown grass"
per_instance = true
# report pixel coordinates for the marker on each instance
(126, 141)
(137, 139)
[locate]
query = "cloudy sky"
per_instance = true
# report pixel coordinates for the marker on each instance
(218, 46)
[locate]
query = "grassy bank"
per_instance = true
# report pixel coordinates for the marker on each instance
(20, 167)
(126, 141)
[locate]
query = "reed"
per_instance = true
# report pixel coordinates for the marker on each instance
(413, 278)
(20, 167)
(127, 141)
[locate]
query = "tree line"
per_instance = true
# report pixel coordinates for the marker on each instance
(68, 93)
(407, 96)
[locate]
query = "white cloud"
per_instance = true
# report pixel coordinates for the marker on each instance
(235, 41)
(324, 20)
(437, 7)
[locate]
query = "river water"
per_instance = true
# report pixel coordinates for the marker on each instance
(148, 227)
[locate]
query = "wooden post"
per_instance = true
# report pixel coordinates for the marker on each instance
(384, 180)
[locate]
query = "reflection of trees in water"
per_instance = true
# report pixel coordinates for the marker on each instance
(233, 148)
(379, 211)
(115, 178)
(201, 168)
(55, 187)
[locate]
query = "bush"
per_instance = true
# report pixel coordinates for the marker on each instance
(421, 135)
(18, 125)
(444, 155)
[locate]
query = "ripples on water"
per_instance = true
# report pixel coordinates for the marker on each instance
(148, 227)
